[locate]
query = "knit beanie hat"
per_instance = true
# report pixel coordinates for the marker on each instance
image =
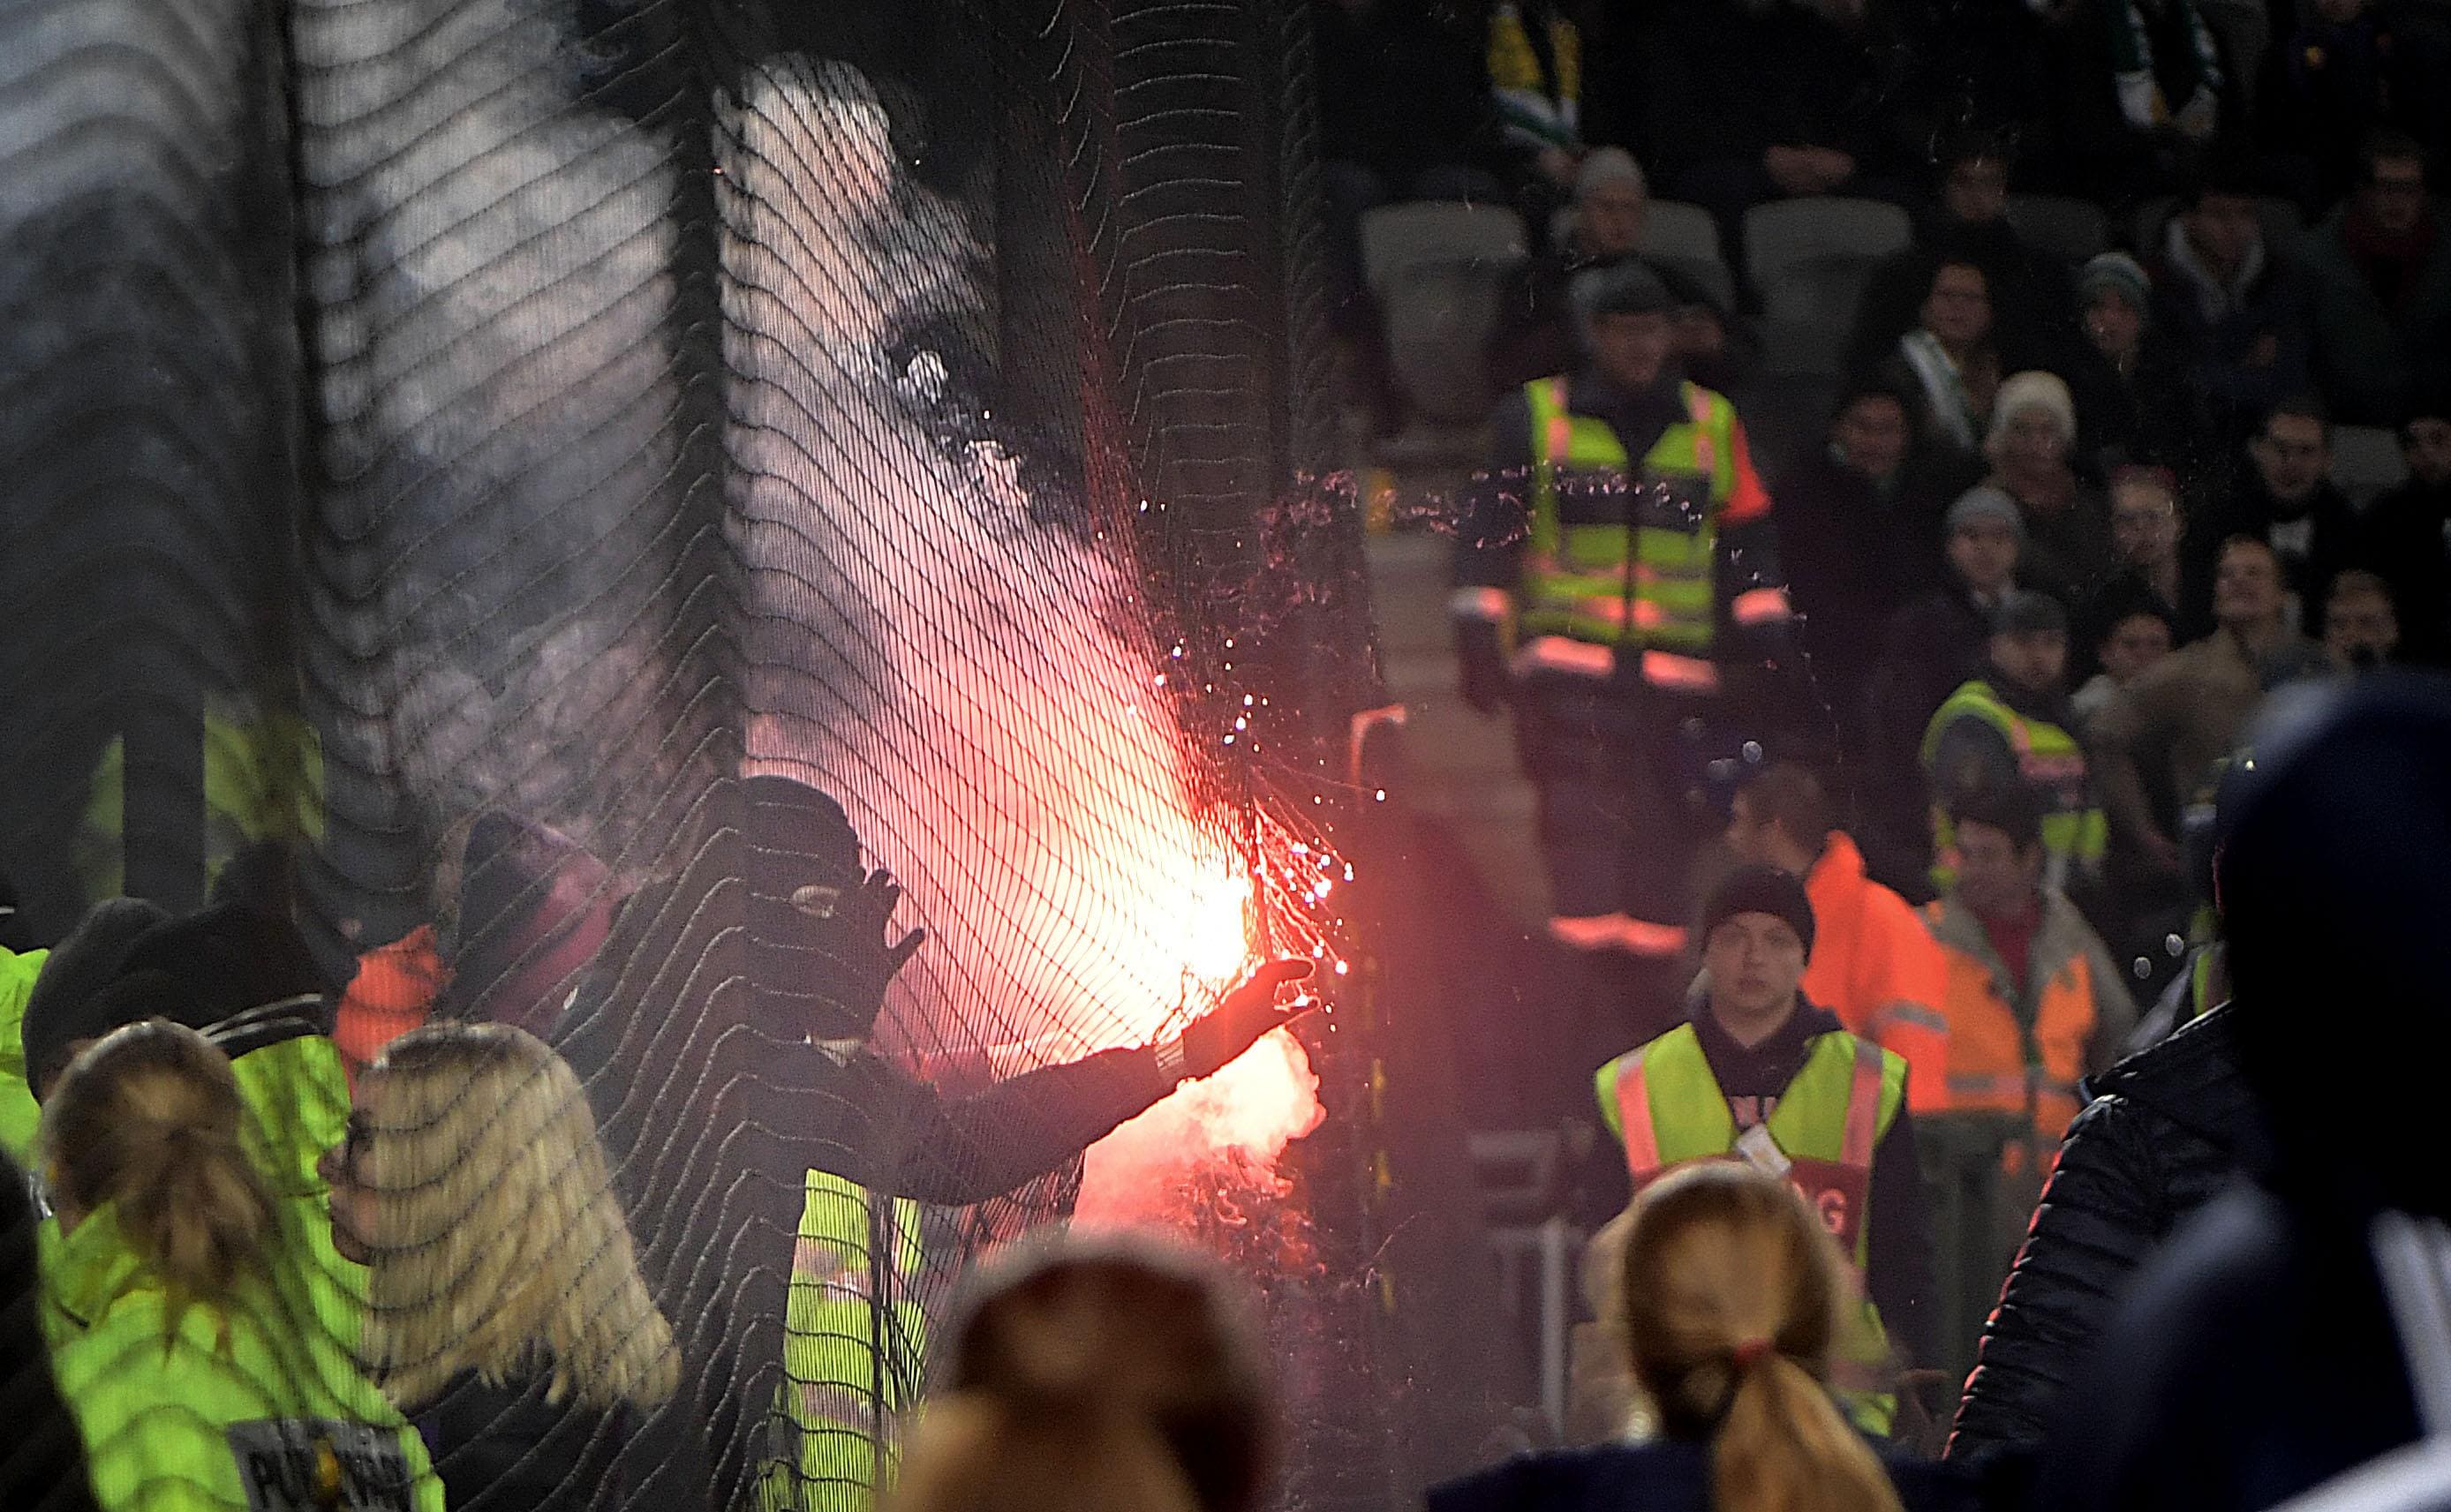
(1984, 502)
(2034, 390)
(1760, 890)
(56, 1013)
(2120, 274)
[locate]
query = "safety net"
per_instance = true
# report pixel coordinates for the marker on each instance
(448, 448)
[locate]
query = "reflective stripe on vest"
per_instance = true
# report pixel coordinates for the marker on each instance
(2051, 763)
(1628, 581)
(1670, 1110)
(1573, 658)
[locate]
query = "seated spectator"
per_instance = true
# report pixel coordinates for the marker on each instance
(2408, 530)
(1534, 337)
(1948, 359)
(472, 1186)
(2135, 400)
(2360, 624)
(2032, 309)
(2033, 1005)
(167, 1229)
(2234, 310)
(2145, 530)
(2130, 631)
(1535, 82)
(2068, 521)
(2159, 741)
(1860, 533)
(2011, 728)
(1097, 1377)
(2349, 67)
(1771, 101)
(1934, 645)
(1723, 1299)
(2289, 501)
(2380, 269)
(1871, 963)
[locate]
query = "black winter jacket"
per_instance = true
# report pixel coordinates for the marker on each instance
(2166, 1131)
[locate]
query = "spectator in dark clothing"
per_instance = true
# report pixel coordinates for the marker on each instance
(1969, 70)
(2380, 269)
(2068, 521)
(2147, 531)
(43, 1469)
(1767, 100)
(1948, 359)
(1861, 535)
(2124, 631)
(2408, 532)
(1534, 335)
(2284, 1333)
(2233, 308)
(2138, 92)
(2348, 68)
(2166, 1131)
(2135, 402)
(2361, 622)
(1724, 1298)
(1536, 84)
(2288, 499)
(1932, 646)
(2032, 313)
(1404, 114)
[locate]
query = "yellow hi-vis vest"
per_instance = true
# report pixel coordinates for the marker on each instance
(1664, 1105)
(1643, 579)
(855, 1344)
(2051, 763)
(264, 779)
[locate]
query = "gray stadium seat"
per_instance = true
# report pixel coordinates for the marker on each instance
(1810, 260)
(1438, 269)
(2366, 461)
(1675, 235)
(2074, 229)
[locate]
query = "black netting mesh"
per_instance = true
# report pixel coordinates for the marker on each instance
(452, 442)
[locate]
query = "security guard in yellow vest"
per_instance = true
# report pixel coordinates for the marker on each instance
(2012, 729)
(1760, 1075)
(1618, 568)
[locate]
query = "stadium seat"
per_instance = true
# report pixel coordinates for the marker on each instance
(1809, 259)
(2366, 461)
(1675, 235)
(2074, 229)
(1438, 269)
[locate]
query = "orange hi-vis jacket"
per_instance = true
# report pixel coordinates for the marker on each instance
(2022, 1048)
(1877, 968)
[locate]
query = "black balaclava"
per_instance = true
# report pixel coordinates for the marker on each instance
(818, 964)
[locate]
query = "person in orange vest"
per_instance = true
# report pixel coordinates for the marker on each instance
(2032, 1005)
(1874, 963)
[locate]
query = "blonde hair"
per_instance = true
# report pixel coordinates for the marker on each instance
(148, 1119)
(1731, 1290)
(497, 1243)
(1097, 1377)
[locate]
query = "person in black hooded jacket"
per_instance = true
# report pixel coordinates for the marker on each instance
(2166, 1131)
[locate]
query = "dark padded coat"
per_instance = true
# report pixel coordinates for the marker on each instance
(2167, 1128)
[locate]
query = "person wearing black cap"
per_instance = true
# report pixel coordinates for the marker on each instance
(1618, 561)
(1764, 1074)
(2012, 727)
(2295, 1327)
(715, 1119)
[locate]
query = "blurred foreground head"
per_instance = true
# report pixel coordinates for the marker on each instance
(2334, 879)
(1098, 1377)
(1731, 1294)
